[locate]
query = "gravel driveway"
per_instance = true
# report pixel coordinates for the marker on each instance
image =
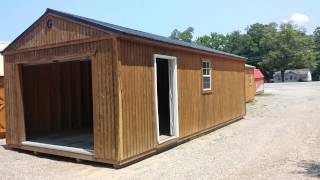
(278, 139)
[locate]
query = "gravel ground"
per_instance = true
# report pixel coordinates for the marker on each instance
(278, 139)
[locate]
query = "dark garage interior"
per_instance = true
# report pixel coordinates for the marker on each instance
(57, 100)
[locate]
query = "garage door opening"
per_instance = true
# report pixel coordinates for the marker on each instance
(57, 99)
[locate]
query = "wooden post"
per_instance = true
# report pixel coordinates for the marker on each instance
(117, 98)
(21, 122)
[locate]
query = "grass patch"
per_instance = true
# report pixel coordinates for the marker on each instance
(252, 103)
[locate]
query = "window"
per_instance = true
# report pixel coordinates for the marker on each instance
(291, 77)
(206, 75)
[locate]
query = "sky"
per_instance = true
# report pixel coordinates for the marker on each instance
(163, 16)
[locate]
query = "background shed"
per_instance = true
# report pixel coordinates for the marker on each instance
(259, 81)
(249, 83)
(293, 75)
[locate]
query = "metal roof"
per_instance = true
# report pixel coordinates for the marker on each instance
(123, 30)
(258, 74)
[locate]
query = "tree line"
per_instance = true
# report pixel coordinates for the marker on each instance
(270, 47)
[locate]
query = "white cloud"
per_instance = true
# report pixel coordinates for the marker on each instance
(299, 18)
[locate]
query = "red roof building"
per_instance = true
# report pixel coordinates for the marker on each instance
(259, 80)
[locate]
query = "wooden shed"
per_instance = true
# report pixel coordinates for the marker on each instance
(2, 98)
(250, 83)
(86, 89)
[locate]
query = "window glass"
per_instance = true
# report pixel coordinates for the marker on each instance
(206, 75)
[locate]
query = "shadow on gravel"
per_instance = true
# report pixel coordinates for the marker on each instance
(309, 168)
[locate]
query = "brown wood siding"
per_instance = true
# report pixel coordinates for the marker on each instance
(40, 35)
(250, 86)
(11, 104)
(136, 84)
(100, 54)
(229, 90)
(103, 104)
(190, 93)
(197, 110)
(2, 109)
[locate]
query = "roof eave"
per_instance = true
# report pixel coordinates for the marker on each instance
(74, 17)
(118, 31)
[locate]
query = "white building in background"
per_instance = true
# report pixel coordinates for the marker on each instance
(296, 75)
(2, 46)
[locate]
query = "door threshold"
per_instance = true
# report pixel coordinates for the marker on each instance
(59, 148)
(166, 139)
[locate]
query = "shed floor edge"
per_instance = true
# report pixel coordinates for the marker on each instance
(171, 144)
(125, 162)
(2, 135)
(62, 153)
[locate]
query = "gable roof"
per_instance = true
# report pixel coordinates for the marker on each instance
(123, 30)
(258, 74)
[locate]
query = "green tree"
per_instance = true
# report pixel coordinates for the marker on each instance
(186, 35)
(316, 50)
(260, 40)
(292, 50)
(215, 41)
(236, 43)
(316, 39)
(269, 47)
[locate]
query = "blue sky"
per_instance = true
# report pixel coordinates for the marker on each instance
(161, 17)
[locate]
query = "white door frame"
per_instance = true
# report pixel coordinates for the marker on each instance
(173, 99)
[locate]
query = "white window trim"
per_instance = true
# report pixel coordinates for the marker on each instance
(204, 75)
(174, 108)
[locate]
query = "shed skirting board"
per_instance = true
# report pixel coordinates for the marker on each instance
(2, 135)
(32, 146)
(59, 148)
(209, 130)
(61, 153)
(173, 143)
(53, 152)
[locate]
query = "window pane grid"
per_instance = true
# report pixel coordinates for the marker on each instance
(206, 75)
